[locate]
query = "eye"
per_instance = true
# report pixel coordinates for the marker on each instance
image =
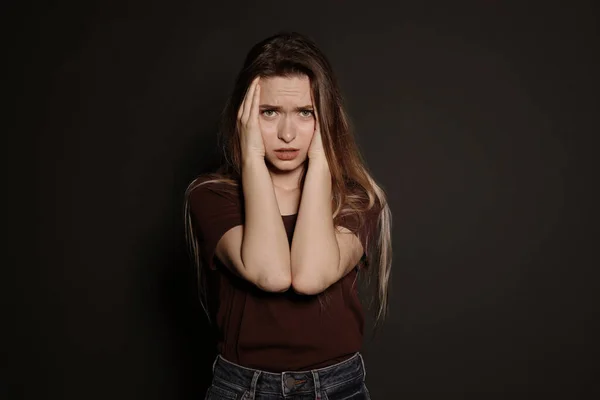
(306, 113)
(268, 113)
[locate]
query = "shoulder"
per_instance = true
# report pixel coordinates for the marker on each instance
(363, 210)
(361, 218)
(210, 189)
(372, 212)
(212, 199)
(214, 205)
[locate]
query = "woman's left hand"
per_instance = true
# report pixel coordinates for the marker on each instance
(316, 145)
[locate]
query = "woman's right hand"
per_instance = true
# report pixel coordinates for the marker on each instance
(251, 140)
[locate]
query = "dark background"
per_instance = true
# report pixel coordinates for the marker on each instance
(478, 118)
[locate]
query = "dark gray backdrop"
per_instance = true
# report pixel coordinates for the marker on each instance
(478, 119)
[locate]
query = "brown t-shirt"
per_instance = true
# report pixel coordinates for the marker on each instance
(273, 332)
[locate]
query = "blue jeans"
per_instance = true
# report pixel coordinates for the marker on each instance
(344, 380)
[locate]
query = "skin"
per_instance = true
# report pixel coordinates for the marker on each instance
(282, 115)
(287, 118)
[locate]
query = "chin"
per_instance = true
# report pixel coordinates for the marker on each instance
(286, 165)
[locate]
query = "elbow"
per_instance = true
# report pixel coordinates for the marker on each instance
(274, 282)
(308, 285)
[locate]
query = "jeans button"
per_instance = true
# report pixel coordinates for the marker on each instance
(289, 382)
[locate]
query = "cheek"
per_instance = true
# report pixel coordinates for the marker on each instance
(268, 129)
(269, 135)
(306, 131)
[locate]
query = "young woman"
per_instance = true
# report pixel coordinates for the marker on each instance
(280, 232)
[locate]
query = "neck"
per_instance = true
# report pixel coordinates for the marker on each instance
(287, 180)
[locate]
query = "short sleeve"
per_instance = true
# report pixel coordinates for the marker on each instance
(365, 232)
(214, 212)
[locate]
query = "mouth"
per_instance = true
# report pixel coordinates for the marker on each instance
(287, 154)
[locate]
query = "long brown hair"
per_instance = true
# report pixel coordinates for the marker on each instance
(354, 190)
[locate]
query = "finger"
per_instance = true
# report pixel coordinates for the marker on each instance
(253, 118)
(242, 104)
(239, 113)
(248, 100)
(241, 109)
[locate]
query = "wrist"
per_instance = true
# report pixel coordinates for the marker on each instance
(318, 161)
(251, 160)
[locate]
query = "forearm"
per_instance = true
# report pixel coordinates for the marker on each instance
(265, 246)
(314, 245)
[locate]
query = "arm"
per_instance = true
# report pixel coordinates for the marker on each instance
(320, 256)
(259, 250)
(265, 250)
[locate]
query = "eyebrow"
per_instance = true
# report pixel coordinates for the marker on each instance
(279, 108)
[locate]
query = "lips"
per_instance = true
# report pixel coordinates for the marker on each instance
(287, 154)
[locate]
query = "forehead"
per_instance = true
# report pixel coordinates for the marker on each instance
(279, 90)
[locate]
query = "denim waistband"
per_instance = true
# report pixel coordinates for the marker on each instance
(287, 383)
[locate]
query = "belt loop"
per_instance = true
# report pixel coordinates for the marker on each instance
(215, 363)
(252, 393)
(363, 366)
(315, 375)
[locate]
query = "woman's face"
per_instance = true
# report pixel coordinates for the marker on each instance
(286, 120)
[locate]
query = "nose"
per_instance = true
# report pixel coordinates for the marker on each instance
(287, 129)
